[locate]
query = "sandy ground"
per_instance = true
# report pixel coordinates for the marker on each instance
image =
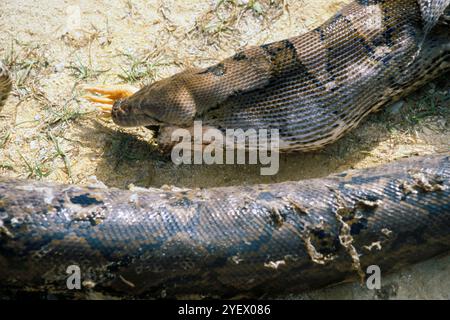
(47, 131)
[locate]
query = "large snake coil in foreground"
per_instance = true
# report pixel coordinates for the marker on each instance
(220, 242)
(262, 239)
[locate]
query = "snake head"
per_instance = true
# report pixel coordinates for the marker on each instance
(166, 102)
(126, 113)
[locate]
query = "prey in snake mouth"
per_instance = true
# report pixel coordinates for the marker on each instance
(112, 102)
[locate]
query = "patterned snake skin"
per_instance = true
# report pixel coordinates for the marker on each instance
(312, 88)
(221, 242)
(262, 239)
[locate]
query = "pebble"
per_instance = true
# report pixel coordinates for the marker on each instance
(396, 107)
(59, 67)
(33, 145)
(103, 41)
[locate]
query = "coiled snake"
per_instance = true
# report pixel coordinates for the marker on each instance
(261, 239)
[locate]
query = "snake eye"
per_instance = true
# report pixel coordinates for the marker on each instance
(120, 108)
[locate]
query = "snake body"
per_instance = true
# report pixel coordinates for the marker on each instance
(221, 242)
(312, 88)
(262, 239)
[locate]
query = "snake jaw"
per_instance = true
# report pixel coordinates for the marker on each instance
(125, 114)
(112, 103)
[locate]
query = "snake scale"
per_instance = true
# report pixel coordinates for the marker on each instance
(263, 239)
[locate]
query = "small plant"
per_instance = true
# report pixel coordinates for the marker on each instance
(82, 71)
(25, 61)
(64, 115)
(4, 139)
(139, 67)
(36, 169)
(61, 153)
